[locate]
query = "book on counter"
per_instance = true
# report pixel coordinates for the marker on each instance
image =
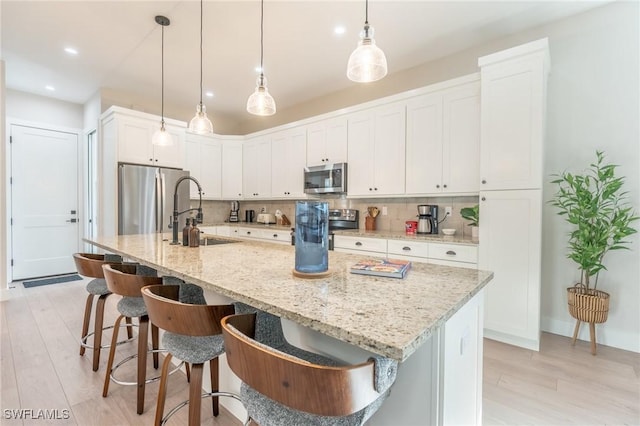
(392, 268)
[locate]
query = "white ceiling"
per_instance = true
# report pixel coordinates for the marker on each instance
(119, 44)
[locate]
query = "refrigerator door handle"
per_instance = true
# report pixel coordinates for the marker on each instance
(163, 192)
(158, 203)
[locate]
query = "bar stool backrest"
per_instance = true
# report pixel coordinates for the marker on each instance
(167, 313)
(295, 383)
(89, 264)
(122, 279)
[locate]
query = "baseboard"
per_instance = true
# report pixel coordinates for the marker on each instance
(509, 339)
(607, 336)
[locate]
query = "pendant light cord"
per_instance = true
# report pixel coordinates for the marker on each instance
(201, 9)
(162, 80)
(366, 12)
(261, 42)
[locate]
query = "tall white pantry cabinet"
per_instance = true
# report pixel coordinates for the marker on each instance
(513, 96)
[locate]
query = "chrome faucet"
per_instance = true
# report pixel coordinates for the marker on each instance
(174, 218)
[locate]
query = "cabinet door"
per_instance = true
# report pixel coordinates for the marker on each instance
(192, 162)
(510, 238)
(336, 140)
(210, 169)
(232, 169)
(134, 141)
(424, 145)
(288, 160)
(316, 144)
(461, 140)
(512, 126)
(256, 167)
(389, 150)
(360, 153)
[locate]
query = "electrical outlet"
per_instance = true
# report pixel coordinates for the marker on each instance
(263, 209)
(384, 211)
(448, 211)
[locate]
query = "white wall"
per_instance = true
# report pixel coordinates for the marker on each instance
(593, 105)
(42, 110)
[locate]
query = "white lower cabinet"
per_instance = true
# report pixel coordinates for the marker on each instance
(358, 245)
(279, 236)
(449, 254)
(510, 246)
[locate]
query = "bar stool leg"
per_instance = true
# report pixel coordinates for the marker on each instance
(154, 345)
(195, 394)
(85, 322)
(162, 392)
(129, 328)
(143, 347)
(97, 336)
(213, 371)
(112, 353)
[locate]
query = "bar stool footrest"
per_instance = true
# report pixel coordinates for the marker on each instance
(84, 344)
(175, 409)
(134, 356)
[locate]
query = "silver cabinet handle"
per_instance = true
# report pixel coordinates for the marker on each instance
(451, 253)
(358, 243)
(405, 248)
(275, 235)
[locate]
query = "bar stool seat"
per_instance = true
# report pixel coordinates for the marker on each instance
(90, 265)
(281, 389)
(192, 334)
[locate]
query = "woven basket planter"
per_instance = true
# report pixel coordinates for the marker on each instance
(590, 306)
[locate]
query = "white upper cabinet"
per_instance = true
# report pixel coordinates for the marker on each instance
(513, 111)
(443, 141)
(232, 169)
(288, 159)
(203, 160)
(327, 142)
(256, 168)
(376, 151)
(134, 133)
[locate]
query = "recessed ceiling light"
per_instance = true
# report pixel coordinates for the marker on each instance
(209, 94)
(71, 50)
(339, 30)
(50, 88)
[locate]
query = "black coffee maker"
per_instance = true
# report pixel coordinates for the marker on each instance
(427, 219)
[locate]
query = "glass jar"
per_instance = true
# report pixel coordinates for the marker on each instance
(312, 236)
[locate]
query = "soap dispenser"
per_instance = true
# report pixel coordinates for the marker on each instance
(185, 232)
(194, 235)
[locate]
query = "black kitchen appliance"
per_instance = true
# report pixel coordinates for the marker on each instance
(339, 219)
(235, 211)
(249, 216)
(427, 219)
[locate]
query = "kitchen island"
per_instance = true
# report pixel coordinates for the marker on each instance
(421, 321)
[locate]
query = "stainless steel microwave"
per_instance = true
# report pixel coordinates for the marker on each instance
(326, 179)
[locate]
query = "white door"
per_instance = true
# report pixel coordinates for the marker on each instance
(44, 202)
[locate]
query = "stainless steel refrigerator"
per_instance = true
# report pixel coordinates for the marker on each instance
(145, 198)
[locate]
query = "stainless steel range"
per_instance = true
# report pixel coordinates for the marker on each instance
(339, 219)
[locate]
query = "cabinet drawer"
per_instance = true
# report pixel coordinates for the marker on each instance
(360, 244)
(454, 252)
(275, 236)
(408, 248)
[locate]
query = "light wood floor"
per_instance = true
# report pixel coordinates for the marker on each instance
(41, 369)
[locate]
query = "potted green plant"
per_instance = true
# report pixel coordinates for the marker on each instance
(472, 214)
(596, 206)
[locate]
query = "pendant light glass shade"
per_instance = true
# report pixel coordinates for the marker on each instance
(161, 137)
(200, 123)
(261, 102)
(367, 63)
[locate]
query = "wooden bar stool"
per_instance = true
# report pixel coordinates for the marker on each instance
(193, 335)
(281, 389)
(127, 280)
(90, 265)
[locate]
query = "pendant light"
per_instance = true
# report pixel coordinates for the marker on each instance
(161, 137)
(367, 63)
(261, 102)
(201, 124)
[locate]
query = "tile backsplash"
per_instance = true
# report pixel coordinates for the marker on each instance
(399, 210)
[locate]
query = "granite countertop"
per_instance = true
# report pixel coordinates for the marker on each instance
(387, 316)
(390, 235)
